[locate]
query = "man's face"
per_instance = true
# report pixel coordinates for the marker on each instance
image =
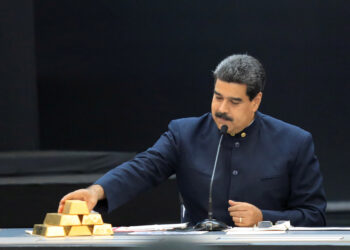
(231, 106)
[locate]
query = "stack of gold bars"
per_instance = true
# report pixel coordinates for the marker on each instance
(75, 220)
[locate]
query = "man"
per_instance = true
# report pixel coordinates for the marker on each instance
(267, 169)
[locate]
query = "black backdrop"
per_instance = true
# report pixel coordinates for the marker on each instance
(18, 92)
(110, 75)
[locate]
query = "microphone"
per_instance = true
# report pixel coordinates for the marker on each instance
(211, 224)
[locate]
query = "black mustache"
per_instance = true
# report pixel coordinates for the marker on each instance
(223, 116)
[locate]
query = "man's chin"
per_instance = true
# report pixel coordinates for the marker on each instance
(221, 122)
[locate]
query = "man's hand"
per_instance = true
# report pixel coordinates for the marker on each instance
(91, 195)
(244, 214)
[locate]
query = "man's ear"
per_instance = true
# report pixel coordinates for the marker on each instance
(256, 101)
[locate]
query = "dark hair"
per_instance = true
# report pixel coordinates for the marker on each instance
(242, 69)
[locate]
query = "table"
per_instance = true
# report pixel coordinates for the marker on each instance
(17, 238)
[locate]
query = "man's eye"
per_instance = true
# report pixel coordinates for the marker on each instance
(219, 98)
(234, 103)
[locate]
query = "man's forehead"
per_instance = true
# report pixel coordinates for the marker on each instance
(230, 90)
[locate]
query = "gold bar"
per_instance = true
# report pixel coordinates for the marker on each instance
(75, 207)
(92, 219)
(48, 231)
(77, 230)
(57, 219)
(105, 229)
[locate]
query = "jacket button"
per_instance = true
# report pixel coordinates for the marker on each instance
(235, 172)
(237, 144)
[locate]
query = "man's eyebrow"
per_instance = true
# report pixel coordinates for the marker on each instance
(217, 93)
(236, 99)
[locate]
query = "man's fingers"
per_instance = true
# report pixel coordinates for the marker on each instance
(240, 221)
(231, 202)
(238, 214)
(237, 203)
(60, 208)
(91, 204)
(244, 214)
(81, 194)
(240, 207)
(61, 204)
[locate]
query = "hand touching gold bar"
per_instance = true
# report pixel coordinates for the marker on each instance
(74, 220)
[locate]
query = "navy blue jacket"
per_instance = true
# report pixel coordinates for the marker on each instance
(272, 167)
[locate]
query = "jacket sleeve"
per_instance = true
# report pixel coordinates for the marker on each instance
(307, 203)
(146, 170)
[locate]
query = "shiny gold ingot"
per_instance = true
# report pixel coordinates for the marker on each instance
(105, 229)
(57, 219)
(243, 135)
(77, 230)
(48, 231)
(92, 219)
(75, 207)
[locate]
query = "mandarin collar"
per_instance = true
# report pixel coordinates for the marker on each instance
(246, 131)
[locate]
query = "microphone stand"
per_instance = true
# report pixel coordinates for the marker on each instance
(211, 224)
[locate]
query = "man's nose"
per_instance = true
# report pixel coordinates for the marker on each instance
(223, 107)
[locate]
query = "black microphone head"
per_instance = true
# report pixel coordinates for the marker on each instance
(223, 129)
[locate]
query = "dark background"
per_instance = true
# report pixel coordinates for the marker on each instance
(109, 75)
